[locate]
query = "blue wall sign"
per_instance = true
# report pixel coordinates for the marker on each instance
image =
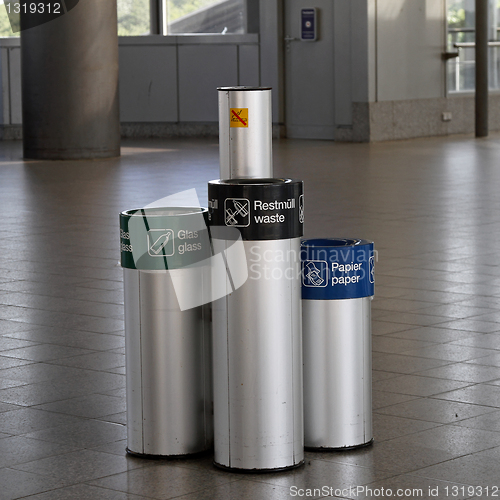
(308, 25)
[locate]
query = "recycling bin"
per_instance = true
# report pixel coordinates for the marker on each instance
(257, 328)
(337, 289)
(164, 254)
(245, 132)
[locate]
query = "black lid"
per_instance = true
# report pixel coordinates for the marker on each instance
(261, 209)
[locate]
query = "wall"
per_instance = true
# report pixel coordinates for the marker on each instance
(407, 76)
(351, 64)
(389, 75)
(410, 42)
(168, 85)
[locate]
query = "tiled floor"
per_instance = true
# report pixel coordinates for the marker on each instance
(432, 206)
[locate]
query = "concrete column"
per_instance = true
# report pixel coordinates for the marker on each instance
(70, 84)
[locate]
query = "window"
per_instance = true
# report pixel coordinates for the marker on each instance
(133, 17)
(5, 26)
(461, 38)
(204, 16)
(173, 17)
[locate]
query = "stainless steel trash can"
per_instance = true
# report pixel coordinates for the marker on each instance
(258, 409)
(337, 288)
(168, 343)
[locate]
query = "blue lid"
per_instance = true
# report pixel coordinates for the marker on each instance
(337, 268)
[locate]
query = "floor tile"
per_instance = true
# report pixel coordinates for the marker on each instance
(44, 352)
(39, 372)
(317, 470)
(7, 327)
(85, 492)
(92, 406)
(394, 345)
(37, 394)
(487, 341)
(457, 311)
(434, 334)
(7, 343)
(9, 362)
(435, 410)
(490, 360)
(80, 466)
(396, 304)
(381, 375)
(464, 372)
(479, 394)
(164, 481)
(452, 439)
(390, 458)
(387, 427)
(27, 420)
(449, 352)
(383, 327)
(18, 484)
(8, 407)
(118, 418)
(381, 399)
(399, 363)
(415, 385)
(414, 319)
(72, 321)
(244, 490)
(473, 470)
(82, 433)
(487, 422)
(6, 383)
(20, 449)
(471, 325)
(94, 361)
(408, 486)
(71, 338)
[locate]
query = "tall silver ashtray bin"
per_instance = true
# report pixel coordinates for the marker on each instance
(164, 254)
(337, 289)
(245, 132)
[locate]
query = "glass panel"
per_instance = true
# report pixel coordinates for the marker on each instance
(205, 16)
(461, 29)
(133, 17)
(5, 27)
(461, 75)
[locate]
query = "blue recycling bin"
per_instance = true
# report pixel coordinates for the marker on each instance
(337, 288)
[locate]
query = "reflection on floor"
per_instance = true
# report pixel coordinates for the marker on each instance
(431, 206)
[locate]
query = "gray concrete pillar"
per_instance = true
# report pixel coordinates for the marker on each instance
(70, 84)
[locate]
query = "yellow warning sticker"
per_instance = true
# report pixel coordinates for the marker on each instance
(238, 117)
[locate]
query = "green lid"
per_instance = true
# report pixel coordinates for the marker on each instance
(163, 238)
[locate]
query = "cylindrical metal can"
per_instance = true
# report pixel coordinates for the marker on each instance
(258, 408)
(245, 132)
(167, 330)
(337, 288)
